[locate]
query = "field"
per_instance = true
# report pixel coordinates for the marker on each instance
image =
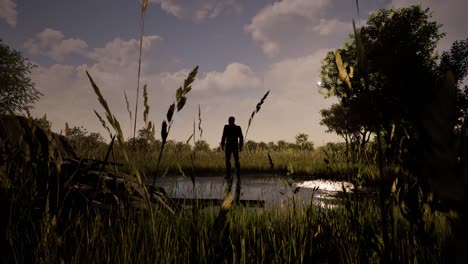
(354, 232)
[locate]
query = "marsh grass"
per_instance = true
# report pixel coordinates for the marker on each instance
(284, 234)
(269, 235)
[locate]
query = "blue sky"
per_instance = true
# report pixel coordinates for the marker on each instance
(243, 49)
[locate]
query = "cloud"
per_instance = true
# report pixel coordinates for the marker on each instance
(294, 102)
(197, 10)
(8, 12)
(236, 76)
(292, 106)
(52, 43)
(331, 26)
(268, 24)
(119, 53)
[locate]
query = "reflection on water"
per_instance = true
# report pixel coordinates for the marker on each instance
(272, 190)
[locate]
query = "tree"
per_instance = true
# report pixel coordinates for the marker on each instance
(17, 91)
(202, 145)
(456, 60)
(302, 140)
(385, 73)
(90, 145)
(342, 121)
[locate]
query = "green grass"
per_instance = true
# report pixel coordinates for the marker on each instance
(269, 235)
(317, 163)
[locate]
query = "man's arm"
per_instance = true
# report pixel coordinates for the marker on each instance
(241, 139)
(223, 138)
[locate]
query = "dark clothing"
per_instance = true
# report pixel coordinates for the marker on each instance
(232, 141)
(232, 137)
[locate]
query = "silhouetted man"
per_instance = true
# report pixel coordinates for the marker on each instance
(232, 142)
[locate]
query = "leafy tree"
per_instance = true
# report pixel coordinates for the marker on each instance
(87, 145)
(302, 140)
(344, 122)
(386, 80)
(456, 60)
(202, 145)
(17, 91)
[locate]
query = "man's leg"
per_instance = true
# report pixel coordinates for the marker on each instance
(228, 162)
(228, 177)
(238, 185)
(236, 162)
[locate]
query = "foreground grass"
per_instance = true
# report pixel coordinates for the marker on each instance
(288, 234)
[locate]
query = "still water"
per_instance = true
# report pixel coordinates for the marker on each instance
(273, 190)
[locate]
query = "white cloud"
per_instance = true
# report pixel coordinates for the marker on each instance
(294, 102)
(53, 44)
(268, 24)
(331, 26)
(236, 76)
(197, 10)
(8, 12)
(292, 106)
(120, 53)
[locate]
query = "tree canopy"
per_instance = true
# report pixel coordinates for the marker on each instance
(385, 79)
(17, 91)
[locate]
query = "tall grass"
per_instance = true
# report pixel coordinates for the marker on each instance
(271, 235)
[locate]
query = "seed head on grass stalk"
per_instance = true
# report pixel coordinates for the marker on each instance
(199, 122)
(128, 106)
(181, 99)
(257, 109)
(144, 4)
(114, 123)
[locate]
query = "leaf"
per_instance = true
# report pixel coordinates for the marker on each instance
(199, 122)
(393, 132)
(128, 105)
(188, 140)
(190, 79)
(145, 103)
(357, 5)
(102, 122)
(272, 165)
(164, 132)
(170, 113)
(360, 51)
(181, 103)
(227, 202)
(179, 93)
(394, 186)
(257, 109)
(259, 105)
(342, 72)
(144, 4)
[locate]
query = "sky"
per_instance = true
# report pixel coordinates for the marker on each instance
(243, 49)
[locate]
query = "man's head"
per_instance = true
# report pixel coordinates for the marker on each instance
(231, 120)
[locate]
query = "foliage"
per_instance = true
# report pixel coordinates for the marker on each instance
(202, 145)
(17, 91)
(86, 144)
(43, 122)
(456, 60)
(391, 89)
(302, 140)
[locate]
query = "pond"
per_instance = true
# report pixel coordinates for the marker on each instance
(272, 190)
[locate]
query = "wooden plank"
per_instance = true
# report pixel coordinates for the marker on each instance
(215, 202)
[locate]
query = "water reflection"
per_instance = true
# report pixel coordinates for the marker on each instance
(273, 190)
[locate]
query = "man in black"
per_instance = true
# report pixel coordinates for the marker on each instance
(232, 141)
